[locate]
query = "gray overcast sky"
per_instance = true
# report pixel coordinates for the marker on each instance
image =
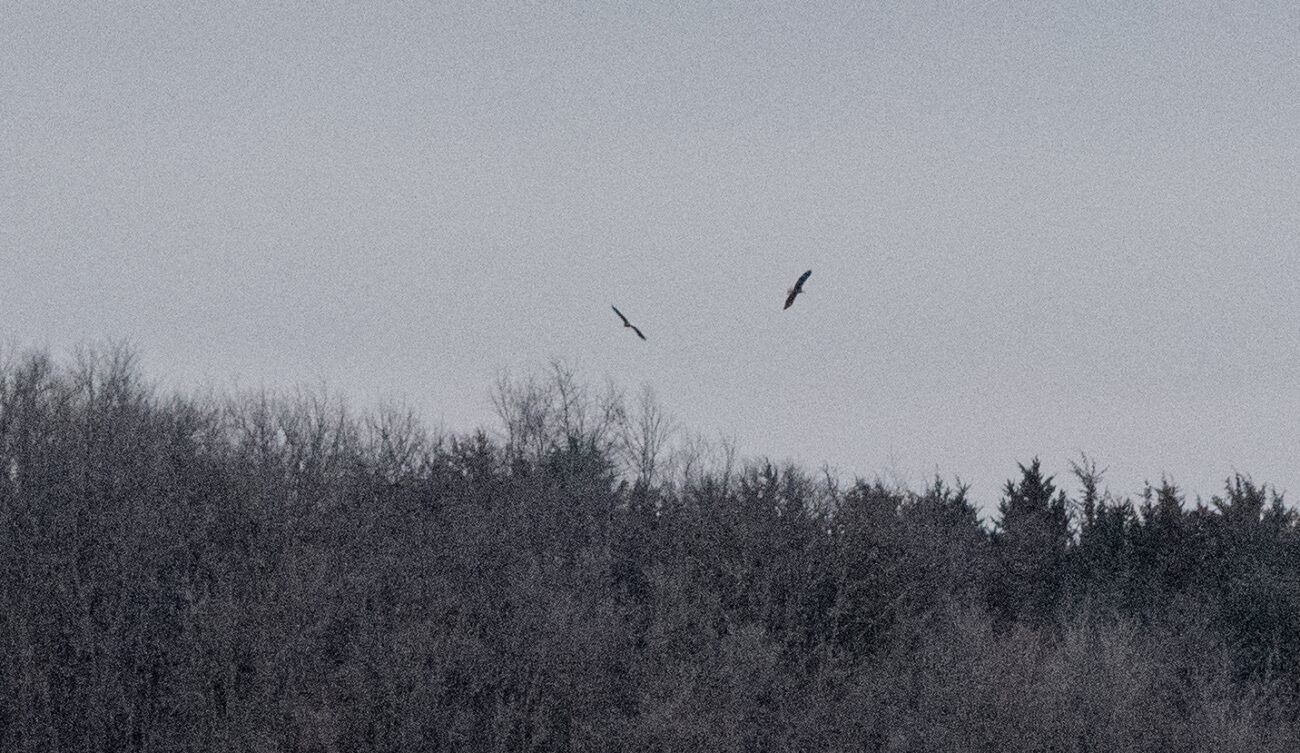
(1035, 228)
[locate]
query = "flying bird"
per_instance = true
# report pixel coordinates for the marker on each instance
(626, 323)
(792, 293)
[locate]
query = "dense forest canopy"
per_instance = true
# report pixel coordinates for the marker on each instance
(267, 572)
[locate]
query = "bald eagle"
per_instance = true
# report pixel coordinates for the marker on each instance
(626, 323)
(792, 293)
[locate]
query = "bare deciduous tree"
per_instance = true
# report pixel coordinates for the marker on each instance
(644, 437)
(541, 414)
(400, 444)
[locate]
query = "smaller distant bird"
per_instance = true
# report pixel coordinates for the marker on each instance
(792, 293)
(626, 323)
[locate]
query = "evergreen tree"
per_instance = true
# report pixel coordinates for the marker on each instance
(1161, 545)
(1033, 533)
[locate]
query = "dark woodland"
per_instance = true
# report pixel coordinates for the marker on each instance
(274, 573)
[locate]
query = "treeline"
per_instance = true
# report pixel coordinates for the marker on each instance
(271, 573)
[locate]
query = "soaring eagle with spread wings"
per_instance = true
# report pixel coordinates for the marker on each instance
(794, 292)
(626, 323)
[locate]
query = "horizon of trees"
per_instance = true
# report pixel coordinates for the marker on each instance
(272, 572)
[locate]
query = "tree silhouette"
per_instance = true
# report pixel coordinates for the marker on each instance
(1030, 548)
(271, 571)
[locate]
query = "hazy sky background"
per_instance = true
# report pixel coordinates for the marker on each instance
(1034, 228)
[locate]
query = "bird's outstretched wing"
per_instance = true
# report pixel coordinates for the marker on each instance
(637, 331)
(798, 286)
(789, 299)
